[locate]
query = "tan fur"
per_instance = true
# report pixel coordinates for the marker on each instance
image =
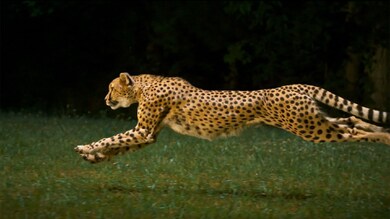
(173, 102)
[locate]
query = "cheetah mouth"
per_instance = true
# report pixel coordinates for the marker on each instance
(112, 104)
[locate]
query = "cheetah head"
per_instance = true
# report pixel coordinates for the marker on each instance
(121, 92)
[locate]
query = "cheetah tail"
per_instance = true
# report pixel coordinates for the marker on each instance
(345, 105)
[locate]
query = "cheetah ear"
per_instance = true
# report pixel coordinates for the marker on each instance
(126, 79)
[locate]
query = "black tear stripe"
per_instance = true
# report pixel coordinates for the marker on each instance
(370, 114)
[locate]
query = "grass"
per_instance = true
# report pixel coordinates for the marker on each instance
(264, 173)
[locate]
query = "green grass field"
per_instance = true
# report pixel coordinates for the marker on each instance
(263, 173)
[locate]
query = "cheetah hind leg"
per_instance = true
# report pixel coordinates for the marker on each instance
(353, 122)
(382, 137)
(358, 130)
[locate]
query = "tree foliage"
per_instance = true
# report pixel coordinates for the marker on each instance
(64, 48)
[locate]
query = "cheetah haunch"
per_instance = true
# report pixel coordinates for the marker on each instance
(173, 102)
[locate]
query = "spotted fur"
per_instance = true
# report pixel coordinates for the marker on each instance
(208, 114)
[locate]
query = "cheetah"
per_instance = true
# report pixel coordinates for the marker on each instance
(208, 114)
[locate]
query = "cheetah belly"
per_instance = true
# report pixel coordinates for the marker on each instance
(183, 129)
(195, 130)
(205, 125)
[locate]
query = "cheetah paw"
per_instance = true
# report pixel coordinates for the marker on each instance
(83, 149)
(94, 158)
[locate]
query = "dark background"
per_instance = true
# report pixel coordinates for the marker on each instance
(59, 56)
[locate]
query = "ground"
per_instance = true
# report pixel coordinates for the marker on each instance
(264, 173)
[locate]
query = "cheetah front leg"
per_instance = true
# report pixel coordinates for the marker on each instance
(109, 153)
(144, 133)
(106, 148)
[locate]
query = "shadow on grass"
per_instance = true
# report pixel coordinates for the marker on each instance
(212, 192)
